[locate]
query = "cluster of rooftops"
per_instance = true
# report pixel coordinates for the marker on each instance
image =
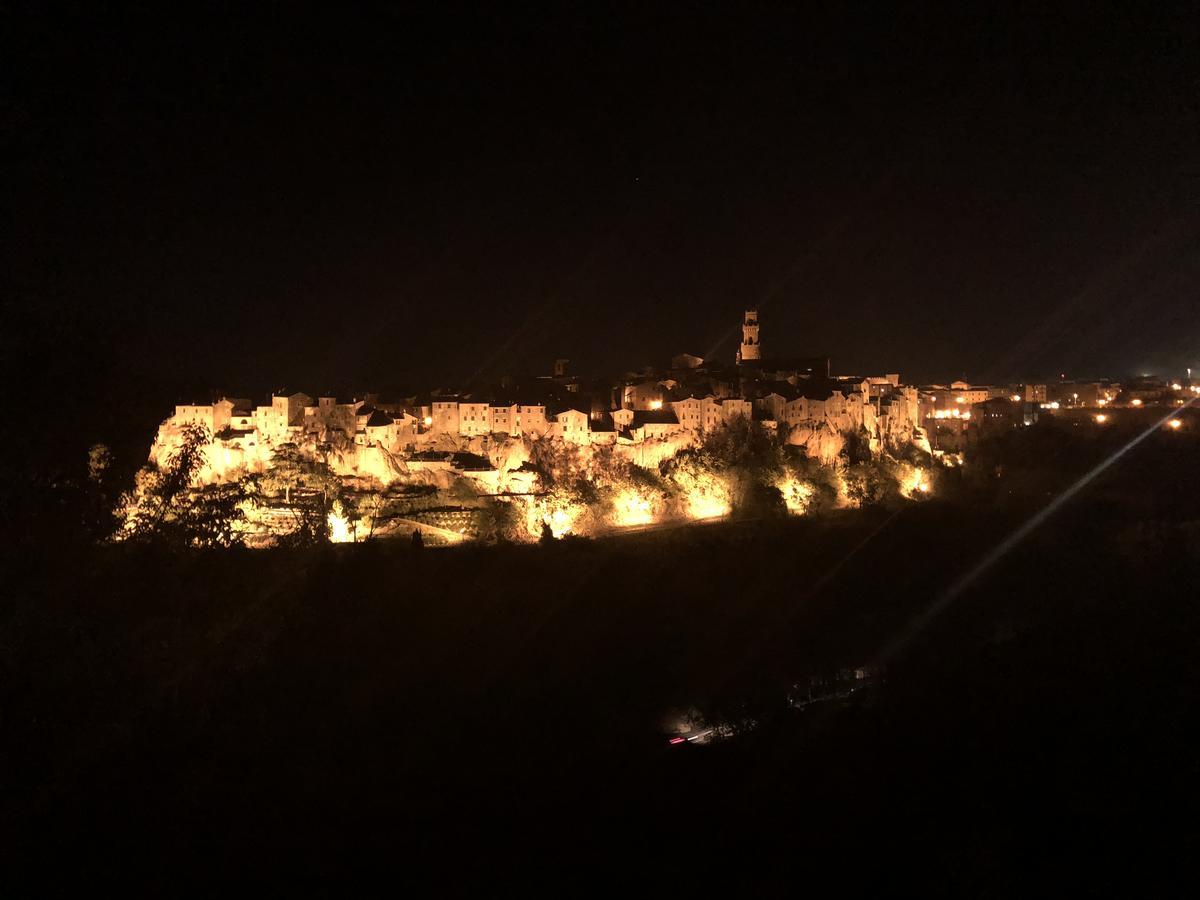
(652, 395)
(633, 409)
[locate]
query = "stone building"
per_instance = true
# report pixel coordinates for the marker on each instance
(571, 426)
(643, 395)
(474, 418)
(444, 415)
(698, 414)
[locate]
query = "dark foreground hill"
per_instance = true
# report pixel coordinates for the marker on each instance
(482, 712)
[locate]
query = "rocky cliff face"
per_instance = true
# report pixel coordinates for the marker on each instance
(228, 459)
(895, 429)
(821, 441)
(231, 457)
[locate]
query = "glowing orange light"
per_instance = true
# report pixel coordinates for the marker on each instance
(558, 512)
(340, 531)
(1015, 398)
(796, 494)
(913, 480)
(1135, 402)
(707, 506)
(428, 421)
(632, 508)
(1101, 418)
(1176, 424)
(656, 404)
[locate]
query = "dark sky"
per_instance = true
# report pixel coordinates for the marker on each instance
(240, 199)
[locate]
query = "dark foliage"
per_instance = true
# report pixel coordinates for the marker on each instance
(165, 510)
(762, 501)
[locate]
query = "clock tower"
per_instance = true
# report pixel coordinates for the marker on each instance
(750, 350)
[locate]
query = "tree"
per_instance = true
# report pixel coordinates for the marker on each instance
(293, 472)
(741, 443)
(166, 508)
(870, 484)
(100, 518)
(822, 478)
(370, 510)
(308, 488)
(209, 517)
(733, 464)
(558, 464)
(763, 500)
(99, 463)
(857, 447)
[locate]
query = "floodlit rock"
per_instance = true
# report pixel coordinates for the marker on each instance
(379, 464)
(539, 479)
(820, 442)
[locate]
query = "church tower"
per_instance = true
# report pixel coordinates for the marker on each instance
(749, 351)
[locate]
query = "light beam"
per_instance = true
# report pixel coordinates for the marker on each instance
(960, 585)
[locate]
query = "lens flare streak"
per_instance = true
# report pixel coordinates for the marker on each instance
(960, 585)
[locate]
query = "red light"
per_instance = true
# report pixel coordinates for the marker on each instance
(677, 740)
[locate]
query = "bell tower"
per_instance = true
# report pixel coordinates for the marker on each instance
(750, 350)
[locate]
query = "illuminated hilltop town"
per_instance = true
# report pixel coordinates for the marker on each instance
(489, 439)
(647, 418)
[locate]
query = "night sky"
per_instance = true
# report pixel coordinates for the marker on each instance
(241, 200)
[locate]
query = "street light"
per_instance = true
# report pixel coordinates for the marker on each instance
(1176, 424)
